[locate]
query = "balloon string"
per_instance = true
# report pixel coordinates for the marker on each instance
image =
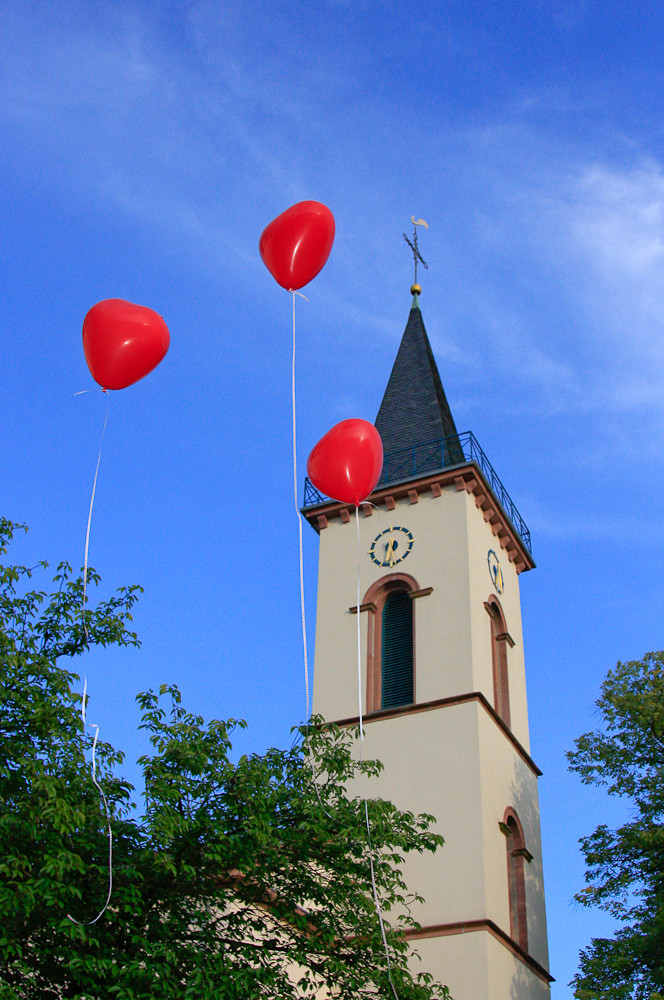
(377, 904)
(359, 634)
(299, 516)
(299, 521)
(93, 725)
(359, 648)
(366, 807)
(87, 534)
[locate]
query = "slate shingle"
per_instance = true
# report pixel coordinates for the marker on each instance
(414, 410)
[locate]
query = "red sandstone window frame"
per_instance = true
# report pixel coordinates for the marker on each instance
(517, 855)
(374, 601)
(500, 640)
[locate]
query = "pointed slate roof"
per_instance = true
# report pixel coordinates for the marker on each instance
(415, 410)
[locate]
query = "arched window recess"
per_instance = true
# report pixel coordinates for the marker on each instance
(391, 640)
(495, 611)
(500, 641)
(517, 855)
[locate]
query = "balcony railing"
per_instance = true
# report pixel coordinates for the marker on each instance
(443, 453)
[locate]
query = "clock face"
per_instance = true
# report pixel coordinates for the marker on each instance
(495, 572)
(391, 546)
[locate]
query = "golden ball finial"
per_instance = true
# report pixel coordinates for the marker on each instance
(415, 290)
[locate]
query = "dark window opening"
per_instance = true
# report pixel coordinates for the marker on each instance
(397, 650)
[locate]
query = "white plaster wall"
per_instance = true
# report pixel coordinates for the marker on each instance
(453, 762)
(452, 627)
(480, 540)
(459, 961)
(439, 559)
(475, 966)
(506, 780)
(335, 671)
(431, 764)
(510, 978)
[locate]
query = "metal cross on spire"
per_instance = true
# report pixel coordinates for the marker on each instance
(416, 253)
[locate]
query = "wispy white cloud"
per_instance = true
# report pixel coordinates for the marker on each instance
(598, 524)
(572, 247)
(550, 256)
(618, 228)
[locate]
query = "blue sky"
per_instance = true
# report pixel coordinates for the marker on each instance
(143, 149)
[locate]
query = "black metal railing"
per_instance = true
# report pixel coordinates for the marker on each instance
(433, 456)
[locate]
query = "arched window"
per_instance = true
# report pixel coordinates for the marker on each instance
(517, 855)
(397, 650)
(391, 641)
(500, 640)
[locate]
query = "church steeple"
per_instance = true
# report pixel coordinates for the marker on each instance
(414, 410)
(443, 684)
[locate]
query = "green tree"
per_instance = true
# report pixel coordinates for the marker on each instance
(626, 865)
(239, 880)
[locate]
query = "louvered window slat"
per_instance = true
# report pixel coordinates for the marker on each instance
(397, 651)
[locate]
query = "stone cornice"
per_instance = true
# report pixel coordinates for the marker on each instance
(431, 706)
(472, 926)
(467, 477)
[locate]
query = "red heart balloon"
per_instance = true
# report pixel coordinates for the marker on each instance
(347, 462)
(123, 342)
(296, 245)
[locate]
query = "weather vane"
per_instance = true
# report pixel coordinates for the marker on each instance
(416, 253)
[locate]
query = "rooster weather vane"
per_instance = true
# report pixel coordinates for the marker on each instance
(414, 247)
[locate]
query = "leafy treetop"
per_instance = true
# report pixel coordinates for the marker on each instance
(626, 865)
(240, 880)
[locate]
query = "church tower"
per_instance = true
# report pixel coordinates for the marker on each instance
(443, 679)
